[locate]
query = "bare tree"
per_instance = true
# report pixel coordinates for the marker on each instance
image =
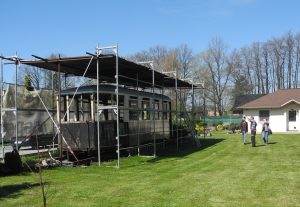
(220, 70)
(290, 43)
(265, 54)
(241, 81)
(258, 66)
(246, 56)
(297, 61)
(262, 67)
(36, 76)
(278, 58)
(185, 60)
(157, 54)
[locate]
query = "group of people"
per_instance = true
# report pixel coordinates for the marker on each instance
(266, 131)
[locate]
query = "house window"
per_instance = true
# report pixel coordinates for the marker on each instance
(133, 105)
(264, 114)
(292, 115)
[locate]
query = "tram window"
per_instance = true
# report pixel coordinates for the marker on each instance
(112, 101)
(134, 113)
(146, 107)
(73, 109)
(165, 110)
(121, 100)
(156, 107)
(121, 110)
(86, 110)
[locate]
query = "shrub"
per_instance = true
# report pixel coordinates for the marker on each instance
(234, 127)
(199, 129)
(200, 126)
(226, 126)
(27, 83)
(220, 127)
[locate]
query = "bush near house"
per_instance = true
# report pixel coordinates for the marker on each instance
(220, 127)
(200, 126)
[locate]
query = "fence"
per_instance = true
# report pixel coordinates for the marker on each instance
(225, 120)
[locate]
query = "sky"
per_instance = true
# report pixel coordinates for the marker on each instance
(74, 27)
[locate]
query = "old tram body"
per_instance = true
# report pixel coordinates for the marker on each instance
(131, 112)
(144, 116)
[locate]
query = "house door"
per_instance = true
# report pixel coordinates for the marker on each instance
(292, 120)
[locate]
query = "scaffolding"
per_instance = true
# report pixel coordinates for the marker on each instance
(164, 82)
(16, 111)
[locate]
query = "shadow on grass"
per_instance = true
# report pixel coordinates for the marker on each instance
(5, 172)
(11, 191)
(264, 145)
(186, 148)
(260, 145)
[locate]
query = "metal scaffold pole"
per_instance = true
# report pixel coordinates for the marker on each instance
(138, 132)
(176, 105)
(193, 106)
(16, 102)
(98, 114)
(180, 114)
(153, 110)
(53, 104)
(163, 117)
(1, 105)
(117, 100)
(204, 109)
(59, 113)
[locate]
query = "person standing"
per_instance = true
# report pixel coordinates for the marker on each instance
(244, 129)
(253, 126)
(265, 131)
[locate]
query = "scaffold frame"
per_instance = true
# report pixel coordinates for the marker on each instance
(152, 86)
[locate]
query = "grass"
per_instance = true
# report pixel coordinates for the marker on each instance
(224, 173)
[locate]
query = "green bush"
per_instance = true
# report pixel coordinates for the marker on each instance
(234, 127)
(27, 83)
(199, 127)
(226, 126)
(220, 127)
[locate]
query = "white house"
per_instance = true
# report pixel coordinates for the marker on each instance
(281, 108)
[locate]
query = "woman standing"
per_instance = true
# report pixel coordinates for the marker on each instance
(244, 129)
(265, 131)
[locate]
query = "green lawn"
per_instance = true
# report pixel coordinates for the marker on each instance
(226, 173)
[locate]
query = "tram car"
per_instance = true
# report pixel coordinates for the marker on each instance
(144, 116)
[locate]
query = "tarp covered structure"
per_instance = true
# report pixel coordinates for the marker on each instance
(129, 72)
(30, 111)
